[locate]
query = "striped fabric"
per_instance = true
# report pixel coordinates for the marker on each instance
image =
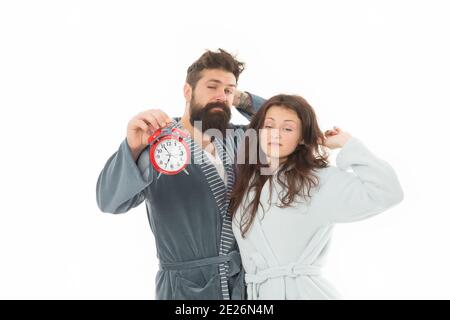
(220, 191)
(227, 239)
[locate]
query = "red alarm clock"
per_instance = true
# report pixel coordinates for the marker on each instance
(169, 152)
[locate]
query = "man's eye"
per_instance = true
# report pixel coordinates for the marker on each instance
(227, 91)
(211, 87)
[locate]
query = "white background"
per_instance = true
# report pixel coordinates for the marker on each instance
(72, 74)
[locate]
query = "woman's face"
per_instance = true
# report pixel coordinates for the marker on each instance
(281, 132)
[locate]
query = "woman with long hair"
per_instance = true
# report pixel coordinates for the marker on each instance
(287, 198)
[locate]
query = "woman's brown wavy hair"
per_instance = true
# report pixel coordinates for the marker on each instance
(297, 169)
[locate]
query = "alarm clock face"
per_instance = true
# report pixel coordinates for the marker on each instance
(169, 155)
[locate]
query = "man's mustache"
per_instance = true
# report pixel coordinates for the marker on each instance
(213, 105)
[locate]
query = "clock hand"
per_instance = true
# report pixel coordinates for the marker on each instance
(167, 161)
(171, 155)
(167, 150)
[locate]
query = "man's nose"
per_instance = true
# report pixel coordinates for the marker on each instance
(221, 97)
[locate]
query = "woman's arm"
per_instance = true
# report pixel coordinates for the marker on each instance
(371, 188)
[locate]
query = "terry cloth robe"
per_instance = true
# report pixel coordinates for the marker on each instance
(197, 252)
(285, 248)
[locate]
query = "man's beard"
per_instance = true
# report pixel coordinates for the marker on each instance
(217, 119)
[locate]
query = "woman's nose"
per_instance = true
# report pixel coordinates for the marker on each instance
(275, 133)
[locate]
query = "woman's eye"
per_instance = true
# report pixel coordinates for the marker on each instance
(211, 87)
(287, 129)
(267, 126)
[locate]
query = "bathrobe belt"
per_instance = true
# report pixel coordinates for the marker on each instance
(292, 270)
(233, 258)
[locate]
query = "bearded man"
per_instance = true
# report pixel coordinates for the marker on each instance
(187, 212)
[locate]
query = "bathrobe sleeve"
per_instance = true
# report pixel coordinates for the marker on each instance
(371, 188)
(122, 181)
(256, 103)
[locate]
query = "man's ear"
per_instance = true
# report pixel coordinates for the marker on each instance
(187, 90)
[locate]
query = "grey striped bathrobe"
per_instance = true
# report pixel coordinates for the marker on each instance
(197, 252)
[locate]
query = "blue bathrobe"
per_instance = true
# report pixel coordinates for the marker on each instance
(197, 252)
